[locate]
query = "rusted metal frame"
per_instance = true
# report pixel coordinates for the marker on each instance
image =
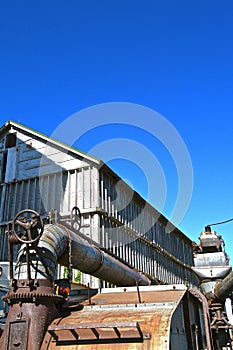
(53, 334)
(140, 332)
(206, 315)
(116, 330)
(138, 291)
(196, 328)
(95, 332)
(219, 319)
(54, 329)
(74, 333)
(133, 324)
(31, 297)
(130, 340)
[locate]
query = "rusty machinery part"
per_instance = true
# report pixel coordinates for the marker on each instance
(75, 217)
(15, 298)
(219, 317)
(32, 224)
(36, 293)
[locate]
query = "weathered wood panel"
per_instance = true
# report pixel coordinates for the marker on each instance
(37, 158)
(133, 230)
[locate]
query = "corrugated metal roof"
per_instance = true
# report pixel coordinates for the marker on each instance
(118, 320)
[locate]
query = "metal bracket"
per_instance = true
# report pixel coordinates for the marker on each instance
(87, 333)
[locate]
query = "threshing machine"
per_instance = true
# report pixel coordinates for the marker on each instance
(46, 313)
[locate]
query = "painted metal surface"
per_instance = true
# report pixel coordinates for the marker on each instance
(213, 259)
(119, 320)
(212, 272)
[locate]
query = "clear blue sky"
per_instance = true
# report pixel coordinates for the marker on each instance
(175, 57)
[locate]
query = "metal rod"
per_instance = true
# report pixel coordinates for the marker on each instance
(139, 296)
(89, 295)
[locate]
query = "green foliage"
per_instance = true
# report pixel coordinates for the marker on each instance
(78, 277)
(66, 272)
(186, 282)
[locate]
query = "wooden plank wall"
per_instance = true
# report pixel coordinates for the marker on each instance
(112, 214)
(133, 230)
(58, 181)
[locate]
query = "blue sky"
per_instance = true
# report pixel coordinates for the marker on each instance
(174, 57)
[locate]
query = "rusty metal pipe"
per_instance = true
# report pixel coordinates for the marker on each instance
(90, 259)
(224, 288)
(53, 248)
(103, 266)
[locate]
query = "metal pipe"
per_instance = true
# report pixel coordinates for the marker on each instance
(44, 256)
(224, 288)
(53, 247)
(102, 265)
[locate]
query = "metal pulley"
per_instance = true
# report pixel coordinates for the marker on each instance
(75, 217)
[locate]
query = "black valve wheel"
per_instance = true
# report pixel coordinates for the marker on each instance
(27, 226)
(75, 217)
